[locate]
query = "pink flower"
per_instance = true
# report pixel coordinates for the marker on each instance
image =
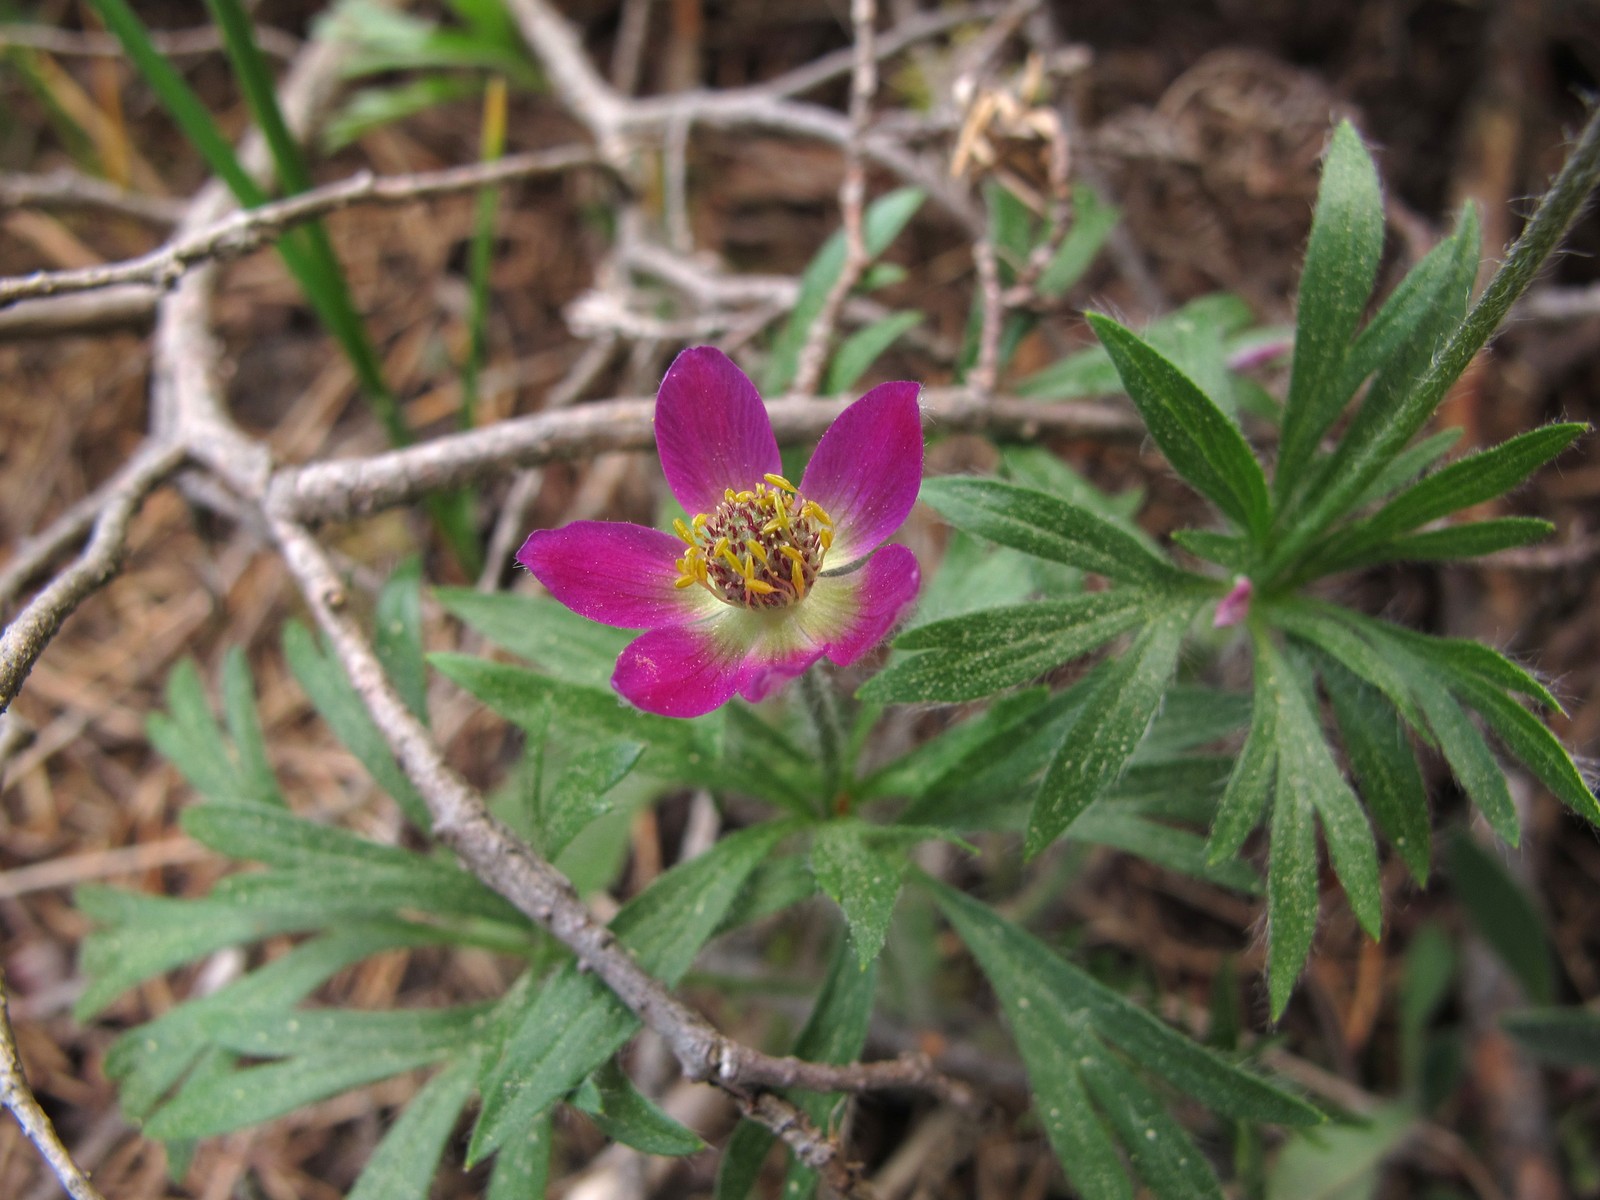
(766, 577)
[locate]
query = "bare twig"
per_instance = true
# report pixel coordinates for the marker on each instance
(852, 200)
(18, 1097)
(174, 43)
(253, 228)
(109, 311)
(343, 489)
(64, 188)
(25, 638)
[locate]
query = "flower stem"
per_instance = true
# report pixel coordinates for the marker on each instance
(823, 706)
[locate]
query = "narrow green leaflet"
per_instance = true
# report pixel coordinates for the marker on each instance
(835, 1032)
(576, 1022)
(322, 677)
(1521, 733)
(1306, 767)
(1468, 481)
(530, 699)
(1058, 1014)
(1115, 717)
(1250, 784)
(1385, 767)
(1324, 626)
(1090, 372)
(978, 654)
(580, 794)
(1471, 539)
(403, 1165)
(397, 636)
(1166, 846)
(1563, 1037)
(574, 649)
(1457, 658)
(1157, 1146)
(626, 1115)
(140, 936)
(212, 1104)
(189, 737)
(255, 774)
(149, 1059)
(1200, 442)
(882, 222)
(863, 880)
(1502, 912)
(1341, 265)
(522, 1168)
(1292, 893)
(865, 346)
(985, 732)
(1343, 1162)
(1472, 761)
(1092, 222)
(1042, 525)
(1393, 411)
(1406, 466)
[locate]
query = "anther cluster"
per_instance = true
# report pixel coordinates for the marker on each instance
(760, 549)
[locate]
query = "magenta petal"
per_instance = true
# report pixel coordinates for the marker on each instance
(847, 615)
(684, 671)
(711, 429)
(614, 573)
(867, 469)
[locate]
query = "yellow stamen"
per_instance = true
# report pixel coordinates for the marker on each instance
(744, 497)
(797, 576)
(682, 530)
(700, 521)
(778, 481)
(756, 548)
(793, 554)
(814, 510)
(686, 581)
(725, 552)
(758, 587)
(826, 538)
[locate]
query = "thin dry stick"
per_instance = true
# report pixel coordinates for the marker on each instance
(348, 488)
(174, 43)
(25, 638)
(852, 200)
(253, 228)
(18, 1097)
(65, 188)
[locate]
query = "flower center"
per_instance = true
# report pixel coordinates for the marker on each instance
(760, 549)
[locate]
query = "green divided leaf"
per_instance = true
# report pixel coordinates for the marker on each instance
(978, 654)
(1202, 444)
(1047, 527)
(1060, 1017)
(1292, 894)
(1527, 739)
(322, 677)
(1114, 719)
(1341, 265)
(189, 736)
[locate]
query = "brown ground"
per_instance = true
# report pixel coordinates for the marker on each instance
(1206, 122)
